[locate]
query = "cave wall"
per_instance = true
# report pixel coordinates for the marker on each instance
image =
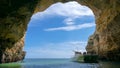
(14, 18)
(15, 15)
(106, 40)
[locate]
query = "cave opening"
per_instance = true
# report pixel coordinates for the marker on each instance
(59, 30)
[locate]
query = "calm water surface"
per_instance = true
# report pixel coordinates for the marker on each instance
(58, 63)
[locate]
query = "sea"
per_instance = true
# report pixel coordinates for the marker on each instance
(58, 63)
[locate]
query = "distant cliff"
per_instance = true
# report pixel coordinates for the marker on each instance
(15, 15)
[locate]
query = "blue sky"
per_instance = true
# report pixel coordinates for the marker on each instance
(59, 30)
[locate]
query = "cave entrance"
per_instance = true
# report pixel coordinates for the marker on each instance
(60, 29)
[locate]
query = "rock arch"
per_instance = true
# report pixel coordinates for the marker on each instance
(15, 15)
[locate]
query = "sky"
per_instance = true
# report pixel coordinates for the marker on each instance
(59, 30)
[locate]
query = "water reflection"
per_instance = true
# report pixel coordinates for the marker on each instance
(64, 65)
(10, 65)
(109, 64)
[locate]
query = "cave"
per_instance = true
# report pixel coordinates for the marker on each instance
(58, 32)
(15, 16)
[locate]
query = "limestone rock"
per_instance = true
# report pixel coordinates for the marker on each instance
(14, 18)
(106, 39)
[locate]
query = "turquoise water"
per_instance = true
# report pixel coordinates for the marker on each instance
(57, 63)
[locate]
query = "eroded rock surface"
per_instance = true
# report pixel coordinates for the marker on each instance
(14, 18)
(106, 39)
(15, 15)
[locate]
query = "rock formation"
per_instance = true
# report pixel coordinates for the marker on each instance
(15, 15)
(106, 40)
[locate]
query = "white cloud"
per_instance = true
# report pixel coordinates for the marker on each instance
(72, 27)
(56, 50)
(69, 9)
(69, 21)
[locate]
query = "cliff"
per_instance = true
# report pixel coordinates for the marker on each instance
(15, 15)
(106, 40)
